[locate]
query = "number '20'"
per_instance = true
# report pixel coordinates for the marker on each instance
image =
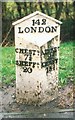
(29, 70)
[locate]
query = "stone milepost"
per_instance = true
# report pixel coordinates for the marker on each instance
(37, 39)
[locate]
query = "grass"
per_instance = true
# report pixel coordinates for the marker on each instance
(8, 64)
(65, 68)
(66, 62)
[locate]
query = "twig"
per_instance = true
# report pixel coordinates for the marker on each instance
(7, 35)
(6, 44)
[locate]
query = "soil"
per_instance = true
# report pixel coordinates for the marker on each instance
(9, 104)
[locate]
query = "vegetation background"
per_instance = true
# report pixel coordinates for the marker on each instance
(63, 11)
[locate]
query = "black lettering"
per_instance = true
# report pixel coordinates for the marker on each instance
(17, 62)
(29, 70)
(20, 31)
(27, 30)
(43, 21)
(35, 22)
(26, 63)
(34, 52)
(41, 29)
(21, 51)
(26, 50)
(25, 69)
(30, 63)
(16, 50)
(30, 57)
(47, 29)
(26, 56)
(53, 29)
(37, 65)
(48, 69)
(38, 52)
(30, 52)
(33, 30)
(21, 63)
(34, 63)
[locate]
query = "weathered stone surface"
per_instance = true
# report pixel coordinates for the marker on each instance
(37, 59)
